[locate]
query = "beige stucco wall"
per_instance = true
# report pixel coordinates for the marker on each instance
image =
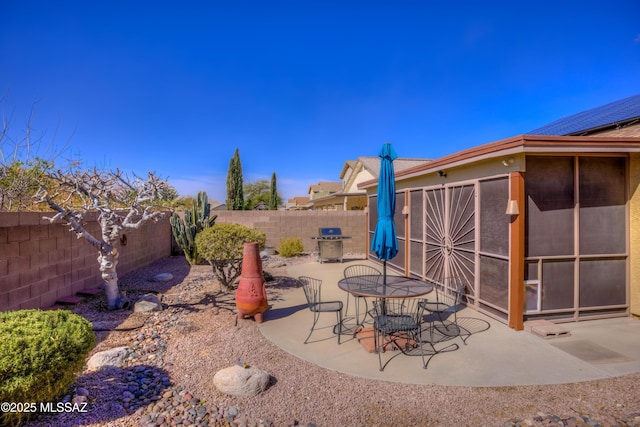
(634, 232)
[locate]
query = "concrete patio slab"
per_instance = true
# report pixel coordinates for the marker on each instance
(494, 355)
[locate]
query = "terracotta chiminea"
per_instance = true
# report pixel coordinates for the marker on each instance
(251, 296)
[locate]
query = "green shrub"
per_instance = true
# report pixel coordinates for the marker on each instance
(290, 248)
(40, 354)
(222, 246)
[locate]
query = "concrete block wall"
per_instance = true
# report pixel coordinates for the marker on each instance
(280, 225)
(41, 262)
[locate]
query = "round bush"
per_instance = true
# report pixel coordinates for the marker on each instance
(40, 354)
(222, 246)
(290, 248)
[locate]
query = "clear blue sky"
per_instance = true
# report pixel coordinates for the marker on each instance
(302, 86)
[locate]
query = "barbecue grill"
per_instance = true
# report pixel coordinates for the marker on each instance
(330, 244)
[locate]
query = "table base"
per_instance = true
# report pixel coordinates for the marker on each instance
(365, 338)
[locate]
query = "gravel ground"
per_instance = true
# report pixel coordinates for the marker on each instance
(167, 378)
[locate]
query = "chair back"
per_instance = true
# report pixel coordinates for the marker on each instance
(453, 292)
(362, 273)
(311, 287)
(399, 307)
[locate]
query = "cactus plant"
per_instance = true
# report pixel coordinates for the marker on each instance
(195, 220)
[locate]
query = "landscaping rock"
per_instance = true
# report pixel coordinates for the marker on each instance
(112, 357)
(238, 381)
(163, 277)
(147, 304)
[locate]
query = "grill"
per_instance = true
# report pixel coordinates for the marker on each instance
(330, 244)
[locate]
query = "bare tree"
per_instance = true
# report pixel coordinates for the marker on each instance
(121, 203)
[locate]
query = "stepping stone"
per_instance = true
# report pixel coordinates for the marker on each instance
(546, 329)
(72, 300)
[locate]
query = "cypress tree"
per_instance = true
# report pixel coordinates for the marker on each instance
(273, 195)
(235, 197)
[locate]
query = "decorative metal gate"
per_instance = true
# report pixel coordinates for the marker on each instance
(450, 235)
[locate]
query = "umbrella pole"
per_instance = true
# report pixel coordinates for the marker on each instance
(384, 272)
(384, 286)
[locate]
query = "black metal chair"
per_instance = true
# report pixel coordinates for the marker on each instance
(443, 312)
(315, 304)
(365, 274)
(397, 326)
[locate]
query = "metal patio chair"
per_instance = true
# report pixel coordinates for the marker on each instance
(315, 304)
(364, 274)
(397, 327)
(443, 312)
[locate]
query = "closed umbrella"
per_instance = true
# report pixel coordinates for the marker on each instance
(385, 241)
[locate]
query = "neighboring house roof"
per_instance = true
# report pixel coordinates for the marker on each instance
(331, 187)
(299, 200)
(372, 163)
(614, 114)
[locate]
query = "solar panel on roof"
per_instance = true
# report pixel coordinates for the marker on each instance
(615, 112)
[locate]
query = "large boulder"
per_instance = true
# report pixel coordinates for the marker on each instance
(112, 357)
(241, 381)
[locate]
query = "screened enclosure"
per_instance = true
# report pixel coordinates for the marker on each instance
(576, 248)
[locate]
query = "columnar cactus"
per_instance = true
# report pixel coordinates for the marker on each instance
(195, 220)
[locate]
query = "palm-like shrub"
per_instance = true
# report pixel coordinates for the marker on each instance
(222, 246)
(40, 354)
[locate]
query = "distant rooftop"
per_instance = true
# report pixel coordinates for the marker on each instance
(613, 114)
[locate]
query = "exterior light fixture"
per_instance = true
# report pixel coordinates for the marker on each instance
(507, 162)
(512, 208)
(442, 174)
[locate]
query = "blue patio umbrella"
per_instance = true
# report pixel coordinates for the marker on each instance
(385, 241)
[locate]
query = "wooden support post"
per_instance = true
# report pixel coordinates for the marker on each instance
(516, 253)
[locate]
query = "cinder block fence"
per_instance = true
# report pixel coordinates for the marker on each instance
(42, 262)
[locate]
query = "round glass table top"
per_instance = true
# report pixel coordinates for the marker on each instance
(395, 286)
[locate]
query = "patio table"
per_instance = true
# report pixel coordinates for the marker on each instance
(394, 287)
(376, 287)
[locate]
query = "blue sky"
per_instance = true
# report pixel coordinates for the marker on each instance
(302, 86)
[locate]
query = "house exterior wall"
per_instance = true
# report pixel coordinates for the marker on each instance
(362, 176)
(41, 262)
(634, 233)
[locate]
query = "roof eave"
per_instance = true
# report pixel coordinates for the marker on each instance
(519, 144)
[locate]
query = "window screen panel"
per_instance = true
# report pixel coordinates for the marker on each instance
(415, 258)
(557, 285)
(494, 224)
(531, 270)
(373, 213)
(494, 281)
(602, 282)
(416, 215)
(398, 216)
(549, 185)
(398, 260)
(602, 205)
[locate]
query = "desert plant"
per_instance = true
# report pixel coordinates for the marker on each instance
(290, 248)
(122, 203)
(195, 220)
(235, 194)
(40, 354)
(222, 246)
